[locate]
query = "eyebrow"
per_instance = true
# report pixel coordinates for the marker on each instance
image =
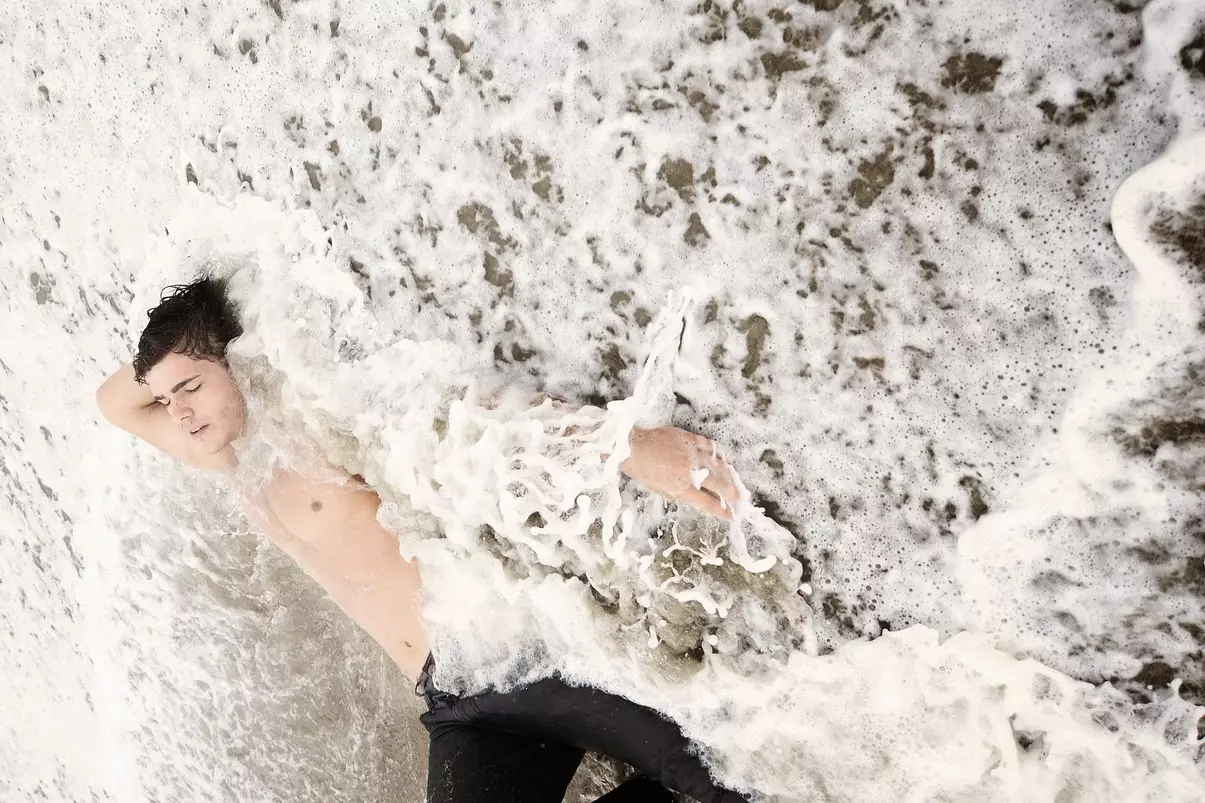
(179, 385)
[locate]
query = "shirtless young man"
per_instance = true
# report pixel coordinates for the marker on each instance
(178, 395)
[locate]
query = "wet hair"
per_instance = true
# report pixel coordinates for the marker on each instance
(196, 320)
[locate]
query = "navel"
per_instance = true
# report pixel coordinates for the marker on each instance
(315, 506)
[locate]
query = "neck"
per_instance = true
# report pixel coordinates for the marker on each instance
(228, 459)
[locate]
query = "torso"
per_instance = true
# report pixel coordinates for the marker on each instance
(331, 531)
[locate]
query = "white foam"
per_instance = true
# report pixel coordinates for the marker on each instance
(969, 333)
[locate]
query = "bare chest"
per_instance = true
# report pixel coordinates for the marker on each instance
(294, 508)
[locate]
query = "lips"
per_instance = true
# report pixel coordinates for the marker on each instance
(198, 432)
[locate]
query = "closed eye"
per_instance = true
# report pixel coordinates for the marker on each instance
(166, 402)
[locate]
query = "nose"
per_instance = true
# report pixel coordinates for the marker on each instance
(179, 412)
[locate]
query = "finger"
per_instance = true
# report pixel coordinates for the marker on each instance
(719, 479)
(706, 448)
(706, 502)
(720, 483)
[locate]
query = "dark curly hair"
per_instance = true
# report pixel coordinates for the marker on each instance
(196, 320)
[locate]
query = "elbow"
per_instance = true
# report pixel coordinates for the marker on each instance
(104, 403)
(100, 397)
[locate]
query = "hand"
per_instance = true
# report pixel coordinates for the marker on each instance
(671, 461)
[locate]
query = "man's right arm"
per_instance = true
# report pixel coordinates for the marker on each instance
(128, 405)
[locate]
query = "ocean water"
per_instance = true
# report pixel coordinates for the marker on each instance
(930, 273)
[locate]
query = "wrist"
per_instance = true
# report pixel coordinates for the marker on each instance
(626, 466)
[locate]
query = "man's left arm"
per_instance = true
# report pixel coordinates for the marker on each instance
(684, 467)
(676, 464)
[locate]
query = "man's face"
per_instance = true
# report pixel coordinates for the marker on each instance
(199, 393)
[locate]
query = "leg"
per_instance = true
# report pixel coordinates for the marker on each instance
(638, 789)
(477, 764)
(591, 719)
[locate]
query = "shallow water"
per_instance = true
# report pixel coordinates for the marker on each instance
(956, 363)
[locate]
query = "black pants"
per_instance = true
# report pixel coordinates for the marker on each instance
(524, 746)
